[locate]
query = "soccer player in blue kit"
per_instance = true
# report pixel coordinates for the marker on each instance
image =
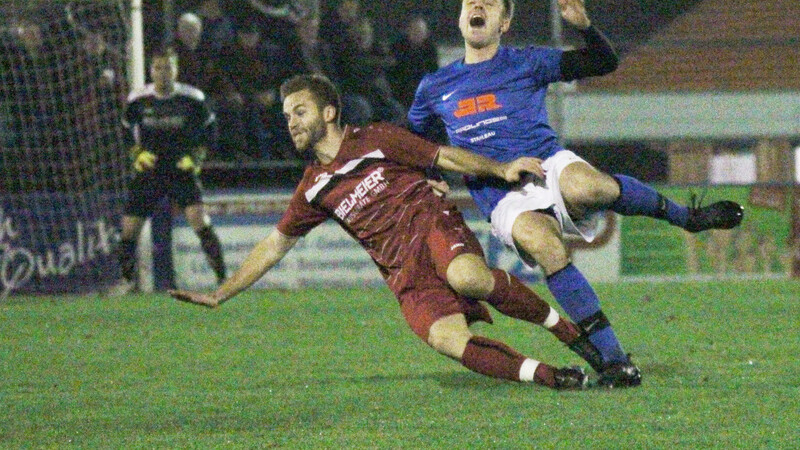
(493, 103)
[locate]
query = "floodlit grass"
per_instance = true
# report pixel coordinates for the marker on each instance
(340, 369)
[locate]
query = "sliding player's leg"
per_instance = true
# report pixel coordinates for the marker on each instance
(458, 258)
(469, 276)
(431, 317)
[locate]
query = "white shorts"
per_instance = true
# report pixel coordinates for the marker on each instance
(539, 195)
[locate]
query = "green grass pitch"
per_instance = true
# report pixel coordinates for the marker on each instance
(340, 369)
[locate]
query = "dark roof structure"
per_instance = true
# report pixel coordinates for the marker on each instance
(717, 45)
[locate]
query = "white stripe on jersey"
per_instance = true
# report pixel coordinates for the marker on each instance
(325, 178)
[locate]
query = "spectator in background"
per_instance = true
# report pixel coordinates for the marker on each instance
(195, 60)
(276, 18)
(36, 127)
(360, 62)
(313, 55)
(415, 54)
(201, 67)
(255, 67)
(105, 92)
(218, 28)
(96, 49)
(334, 30)
(21, 75)
(373, 63)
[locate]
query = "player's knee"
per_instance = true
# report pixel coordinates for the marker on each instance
(448, 342)
(550, 253)
(541, 246)
(604, 191)
(197, 217)
(450, 335)
(469, 276)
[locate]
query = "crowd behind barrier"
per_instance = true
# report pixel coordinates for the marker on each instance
(239, 55)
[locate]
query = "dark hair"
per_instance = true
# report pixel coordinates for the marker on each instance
(321, 88)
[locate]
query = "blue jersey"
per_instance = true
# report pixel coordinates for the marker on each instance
(495, 108)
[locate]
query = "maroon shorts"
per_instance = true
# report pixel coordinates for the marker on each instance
(422, 288)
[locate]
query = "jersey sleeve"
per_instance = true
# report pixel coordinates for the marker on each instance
(404, 147)
(420, 117)
(545, 63)
(300, 217)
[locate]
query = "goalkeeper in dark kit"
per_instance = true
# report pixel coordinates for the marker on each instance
(169, 124)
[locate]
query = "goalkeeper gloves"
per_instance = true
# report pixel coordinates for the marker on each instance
(143, 160)
(187, 164)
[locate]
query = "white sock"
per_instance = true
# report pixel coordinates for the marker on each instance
(552, 319)
(528, 370)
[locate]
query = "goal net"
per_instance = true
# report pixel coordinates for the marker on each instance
(63, 162)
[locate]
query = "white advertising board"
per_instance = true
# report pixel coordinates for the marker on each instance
(330, 257)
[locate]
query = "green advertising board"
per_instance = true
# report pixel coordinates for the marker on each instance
(759, 247)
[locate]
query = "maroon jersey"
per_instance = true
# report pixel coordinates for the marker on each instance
(376, 189)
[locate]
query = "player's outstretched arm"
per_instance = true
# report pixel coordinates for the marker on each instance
(463, 161)
(263, 257)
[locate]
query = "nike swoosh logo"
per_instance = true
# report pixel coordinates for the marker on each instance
(446, 96)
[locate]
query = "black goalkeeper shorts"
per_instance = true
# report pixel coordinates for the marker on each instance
(146, 189)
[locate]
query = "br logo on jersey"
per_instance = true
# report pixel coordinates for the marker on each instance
(475, 105)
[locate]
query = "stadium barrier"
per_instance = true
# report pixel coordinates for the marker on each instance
(45, 247)
(329, 256)
(627, 248)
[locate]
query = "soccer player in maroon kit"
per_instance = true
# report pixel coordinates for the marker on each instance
(371, 180)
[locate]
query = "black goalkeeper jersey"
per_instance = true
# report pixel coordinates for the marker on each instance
(168, 126)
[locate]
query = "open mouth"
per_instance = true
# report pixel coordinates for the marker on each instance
(477, 21)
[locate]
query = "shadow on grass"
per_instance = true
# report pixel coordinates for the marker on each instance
(449, 379)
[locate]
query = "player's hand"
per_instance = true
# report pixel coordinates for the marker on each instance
(514, 170)
(187, 164)
(197, 298)
(440, 187)
(574, 12)
(144, 161)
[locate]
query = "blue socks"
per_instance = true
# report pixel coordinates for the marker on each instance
(639, 199)
(579, 301)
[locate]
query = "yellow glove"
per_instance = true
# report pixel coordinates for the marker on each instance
(187, 164)
(144, 161)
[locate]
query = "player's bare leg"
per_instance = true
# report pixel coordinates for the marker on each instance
(209, 241)
(451, 336)
(586, 189)
(470, 277)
